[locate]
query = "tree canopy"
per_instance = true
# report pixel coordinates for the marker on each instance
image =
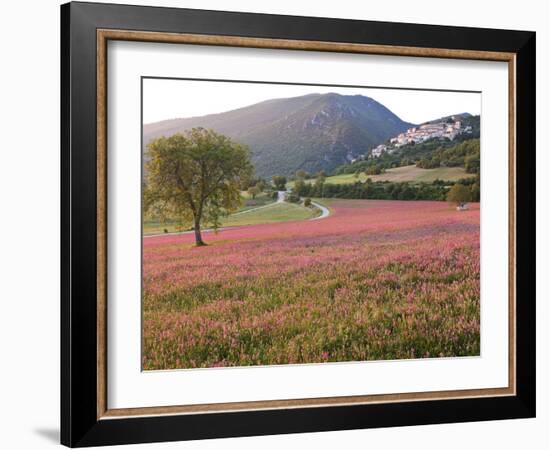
(195, 177)
(279, 181)
(253, 191)
(459, 194)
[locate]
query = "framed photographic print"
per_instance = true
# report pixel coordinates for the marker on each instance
(276, 224)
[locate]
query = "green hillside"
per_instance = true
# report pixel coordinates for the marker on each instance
(313, 132)
(463, 151)
(407, 173)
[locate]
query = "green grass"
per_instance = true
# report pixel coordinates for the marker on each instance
(416, 174)
(401, 174)
(278, 212)
(275, 212)
(260, 200)
(156, 227)
(152, 226)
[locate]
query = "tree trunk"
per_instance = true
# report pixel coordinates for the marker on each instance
(198, 238)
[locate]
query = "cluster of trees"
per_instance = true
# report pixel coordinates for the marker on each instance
(466, 154)
(255, 187)
(279, 182)
(364, 165)
(369, 190)
(459, 194)
(472, 186)
(303, 175)
(385, 190)
(374, 170)
(432, 163)
(292, 197)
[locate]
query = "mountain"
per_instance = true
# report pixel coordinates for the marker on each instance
(310, 132)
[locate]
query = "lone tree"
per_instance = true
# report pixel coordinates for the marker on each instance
(195, 177)
(459, 195)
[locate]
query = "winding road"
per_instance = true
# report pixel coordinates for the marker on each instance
(325, 212)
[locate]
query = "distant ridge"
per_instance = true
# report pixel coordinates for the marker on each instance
(312, 132)
(460, 116)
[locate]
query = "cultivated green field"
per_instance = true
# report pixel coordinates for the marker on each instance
(274, 212)
(401, 174)
(416, 174)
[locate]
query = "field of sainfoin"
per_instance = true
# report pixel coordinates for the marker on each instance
(375, 280)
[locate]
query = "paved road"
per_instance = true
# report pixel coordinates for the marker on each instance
(324, 211)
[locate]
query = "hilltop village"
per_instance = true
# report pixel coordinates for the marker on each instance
(448, 129)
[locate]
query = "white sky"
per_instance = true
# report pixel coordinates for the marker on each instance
(170, 99)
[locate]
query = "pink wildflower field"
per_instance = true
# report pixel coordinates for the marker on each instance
(376, 280)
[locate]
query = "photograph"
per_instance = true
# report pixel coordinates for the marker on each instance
(308, 224)
(282, 223)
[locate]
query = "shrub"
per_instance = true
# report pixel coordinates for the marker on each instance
(373, 170)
